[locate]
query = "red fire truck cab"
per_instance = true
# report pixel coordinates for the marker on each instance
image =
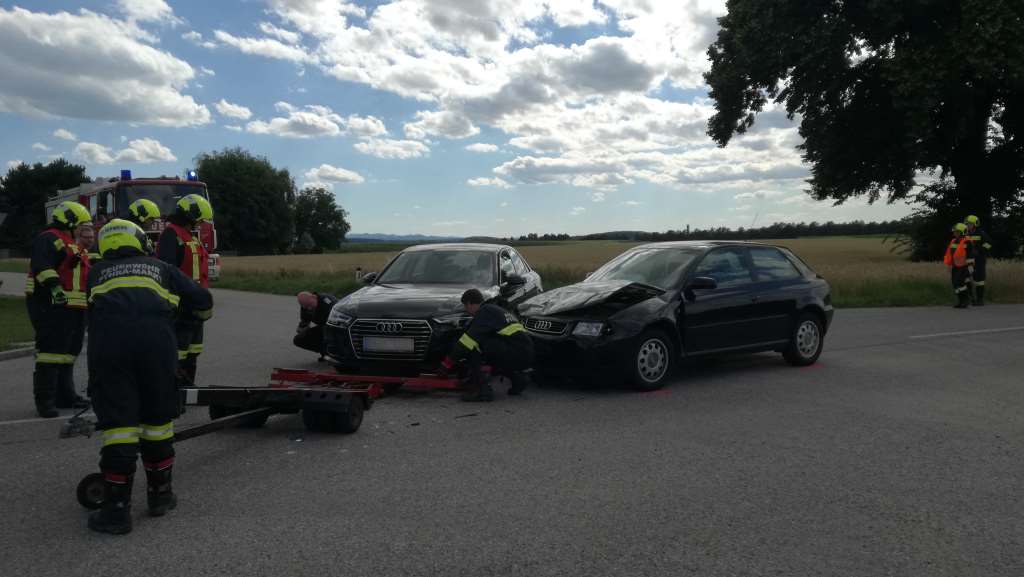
(109, 198)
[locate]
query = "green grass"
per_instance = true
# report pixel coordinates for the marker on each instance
(288, 282)
(14, 265)
(14, 325)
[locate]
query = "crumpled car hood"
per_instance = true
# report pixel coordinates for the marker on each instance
(610, 295)
(406, 301)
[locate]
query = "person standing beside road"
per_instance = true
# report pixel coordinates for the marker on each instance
(960, 258)
(496, 335)
(314, 310)
(982, 245)
(55, 297)
(178, 247)
(133, 300)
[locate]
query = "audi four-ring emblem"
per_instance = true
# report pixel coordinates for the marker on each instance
(542, 325)
(389, 327)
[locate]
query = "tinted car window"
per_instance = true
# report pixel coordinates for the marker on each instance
(466, 267)
(771, 264)
(660, 267)
(726, 266)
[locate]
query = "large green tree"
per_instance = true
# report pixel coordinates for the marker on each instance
(23, 195)
(252, 201)
(318, 215)
(884, 89)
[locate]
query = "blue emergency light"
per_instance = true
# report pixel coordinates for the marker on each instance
(191, 175)
(126, 175)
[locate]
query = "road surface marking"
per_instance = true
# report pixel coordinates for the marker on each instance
(57, 419)
(963, 333)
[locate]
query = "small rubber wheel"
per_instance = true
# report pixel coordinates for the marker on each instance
(92, 491)
(653, 360)
(348, 422)
(806, 342)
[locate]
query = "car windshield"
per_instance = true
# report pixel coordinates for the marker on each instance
(659, 267)
(462, 267)
(164, 195)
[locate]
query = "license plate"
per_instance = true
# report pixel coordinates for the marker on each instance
(387, 345)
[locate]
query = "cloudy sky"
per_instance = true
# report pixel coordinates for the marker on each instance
(423, 116)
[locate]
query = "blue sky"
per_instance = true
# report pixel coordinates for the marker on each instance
(580, 115)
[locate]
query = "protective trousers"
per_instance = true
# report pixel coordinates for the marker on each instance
(59, 332)
(505, 354)
(979, 279)
(961, 278)
(189, 335)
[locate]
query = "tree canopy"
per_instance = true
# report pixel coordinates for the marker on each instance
(23, 194)
(318, 216)
(884, 89)
(252, 201)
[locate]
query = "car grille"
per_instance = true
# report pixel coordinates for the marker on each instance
(418, 330)
(546, 326)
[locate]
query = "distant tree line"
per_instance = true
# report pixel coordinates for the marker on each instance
(777, 230)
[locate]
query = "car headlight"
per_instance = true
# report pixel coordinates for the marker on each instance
(339, 319)
(585, 329)
(454, 319)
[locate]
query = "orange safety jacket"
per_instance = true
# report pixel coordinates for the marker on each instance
(73, 270)
(957, 254)
(196, 262)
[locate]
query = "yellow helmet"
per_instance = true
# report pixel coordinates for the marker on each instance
(71, 214)
(194, 207)
(972, 220)
(120, 233)
(144, 210)
(960, 227)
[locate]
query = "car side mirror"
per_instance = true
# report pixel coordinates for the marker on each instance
(368, 278)
(512, 282)
(702, 283)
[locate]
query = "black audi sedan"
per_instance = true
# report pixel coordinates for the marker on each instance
(649, 307)
(409, 315)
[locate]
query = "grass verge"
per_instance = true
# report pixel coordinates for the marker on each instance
(14, 324)
(14, 265)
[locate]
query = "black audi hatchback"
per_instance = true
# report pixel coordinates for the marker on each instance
(656, 303)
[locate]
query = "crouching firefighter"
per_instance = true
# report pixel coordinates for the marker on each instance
(495, 336)
(179, 247)
(55, 297)
(133, 301)
(960, 258)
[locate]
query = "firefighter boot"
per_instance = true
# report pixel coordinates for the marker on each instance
(159, 496)
(520, 381)
(962, 300)
(67, 397)
(979, 296)
(115, 517)
(44, 387)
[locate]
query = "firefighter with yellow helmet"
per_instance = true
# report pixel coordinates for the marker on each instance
(134, 300)
(55, 297)
(982, 246)
(180, 246)
(960, 258)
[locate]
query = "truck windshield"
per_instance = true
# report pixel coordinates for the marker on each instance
(164, 195)
(462, 267)
(659, 267)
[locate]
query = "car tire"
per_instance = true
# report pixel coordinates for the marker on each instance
(321, 421)
(806, 341)
(653, 360)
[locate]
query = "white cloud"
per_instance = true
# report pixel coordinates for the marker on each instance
(267, 47)
(503, 204)
(577, 211)
(286, 36)
(496, 182)
(447, 124)
(327, 174)
(233, 127)
(482, 147)
(91, 66)
(149, 11)
(366, 127)
(197, 39)
(140, 151)
(450, 223)
(314, 121)
(14, 164)
(40, 147)
(597, 197)
(65, 134)
(632, 203)
(206, 71)
(230, 110)
(388, 148)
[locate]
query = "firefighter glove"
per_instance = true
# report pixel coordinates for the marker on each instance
(57, 296)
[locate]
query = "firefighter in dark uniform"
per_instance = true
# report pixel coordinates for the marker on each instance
(314, 310)
(179, 247)
(496, 336)
(982, 245)
(55, 297)
(960, 258)
(142, 211)
(133, 301)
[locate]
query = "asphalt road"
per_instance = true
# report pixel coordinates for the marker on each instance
(898, 454)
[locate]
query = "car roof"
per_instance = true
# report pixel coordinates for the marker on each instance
(701, 244)
(478, 246)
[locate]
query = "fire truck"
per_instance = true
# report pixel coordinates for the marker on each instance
(109, 198)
